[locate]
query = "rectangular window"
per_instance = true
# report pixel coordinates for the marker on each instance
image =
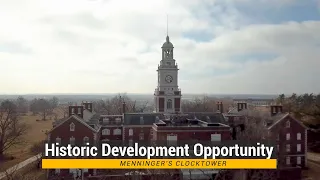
(299, 160)
(298, 136)
(278, 137)
(288, 136)
(288, 147)
(298, 147)
(288, 160)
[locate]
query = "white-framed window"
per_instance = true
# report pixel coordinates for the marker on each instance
(72, 141)
(130, 132)
(57, 171)
(58, 140)
(85, 140)
(172, 139)
(169, 104)
(141, 136)
(288, 160)
(72, 127)
(106, 132)
(117, 131)
(288, 136)
(298, 147)
(157, 118)
(288, 148)
(298, 136)
(105, 120)
(299, 160)
(215, 137)
(72, 110)
(288, 124)
(141, 120)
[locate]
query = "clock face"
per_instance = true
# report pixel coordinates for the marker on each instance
(169, 79)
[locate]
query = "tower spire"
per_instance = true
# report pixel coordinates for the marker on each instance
(167, 25)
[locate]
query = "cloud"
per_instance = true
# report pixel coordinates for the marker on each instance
(104, 46)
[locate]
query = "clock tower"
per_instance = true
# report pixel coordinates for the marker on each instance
(167, 95)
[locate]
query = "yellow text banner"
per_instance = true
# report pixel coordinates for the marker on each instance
(159, 163)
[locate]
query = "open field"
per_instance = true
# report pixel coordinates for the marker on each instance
(35, 133)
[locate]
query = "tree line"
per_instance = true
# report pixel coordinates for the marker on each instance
(305, 106)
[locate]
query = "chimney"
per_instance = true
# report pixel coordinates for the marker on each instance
(220, 107)
(242, 105)
(76, 110)
(87, 105)
(275, 109)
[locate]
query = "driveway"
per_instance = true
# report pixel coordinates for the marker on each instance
(20, 165)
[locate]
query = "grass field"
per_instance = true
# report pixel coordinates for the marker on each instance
(35, 133)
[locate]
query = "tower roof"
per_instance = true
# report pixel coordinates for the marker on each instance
(167, 44)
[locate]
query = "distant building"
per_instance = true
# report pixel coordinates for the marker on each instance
(254, 101)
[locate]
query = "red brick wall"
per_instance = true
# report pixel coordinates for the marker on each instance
(63, 132)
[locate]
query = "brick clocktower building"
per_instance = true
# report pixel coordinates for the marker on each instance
(167, 95)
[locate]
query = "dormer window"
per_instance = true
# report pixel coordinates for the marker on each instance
(72, 127)
(288, 124)
(72, 110)
(79, 110)
(105, 120)
(141, 120)
(118, 120)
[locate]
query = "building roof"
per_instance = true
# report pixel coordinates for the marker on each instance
(79, 119)
(209, 117)
(141, 118)
(167, 44)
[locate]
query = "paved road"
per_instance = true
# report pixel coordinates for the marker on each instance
(20, 165)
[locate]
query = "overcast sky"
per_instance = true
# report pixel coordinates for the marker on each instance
(111, 46)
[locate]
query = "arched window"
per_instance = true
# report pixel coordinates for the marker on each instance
(130, 132)
(72, 141)
(169, 104)
(72, 127)
(106, 132)
(58, 140)
(85, 140)
(117, 132)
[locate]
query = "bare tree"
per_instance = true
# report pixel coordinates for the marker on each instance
(11, 127)
(114, 105)
(255, 129)
(205, 104)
